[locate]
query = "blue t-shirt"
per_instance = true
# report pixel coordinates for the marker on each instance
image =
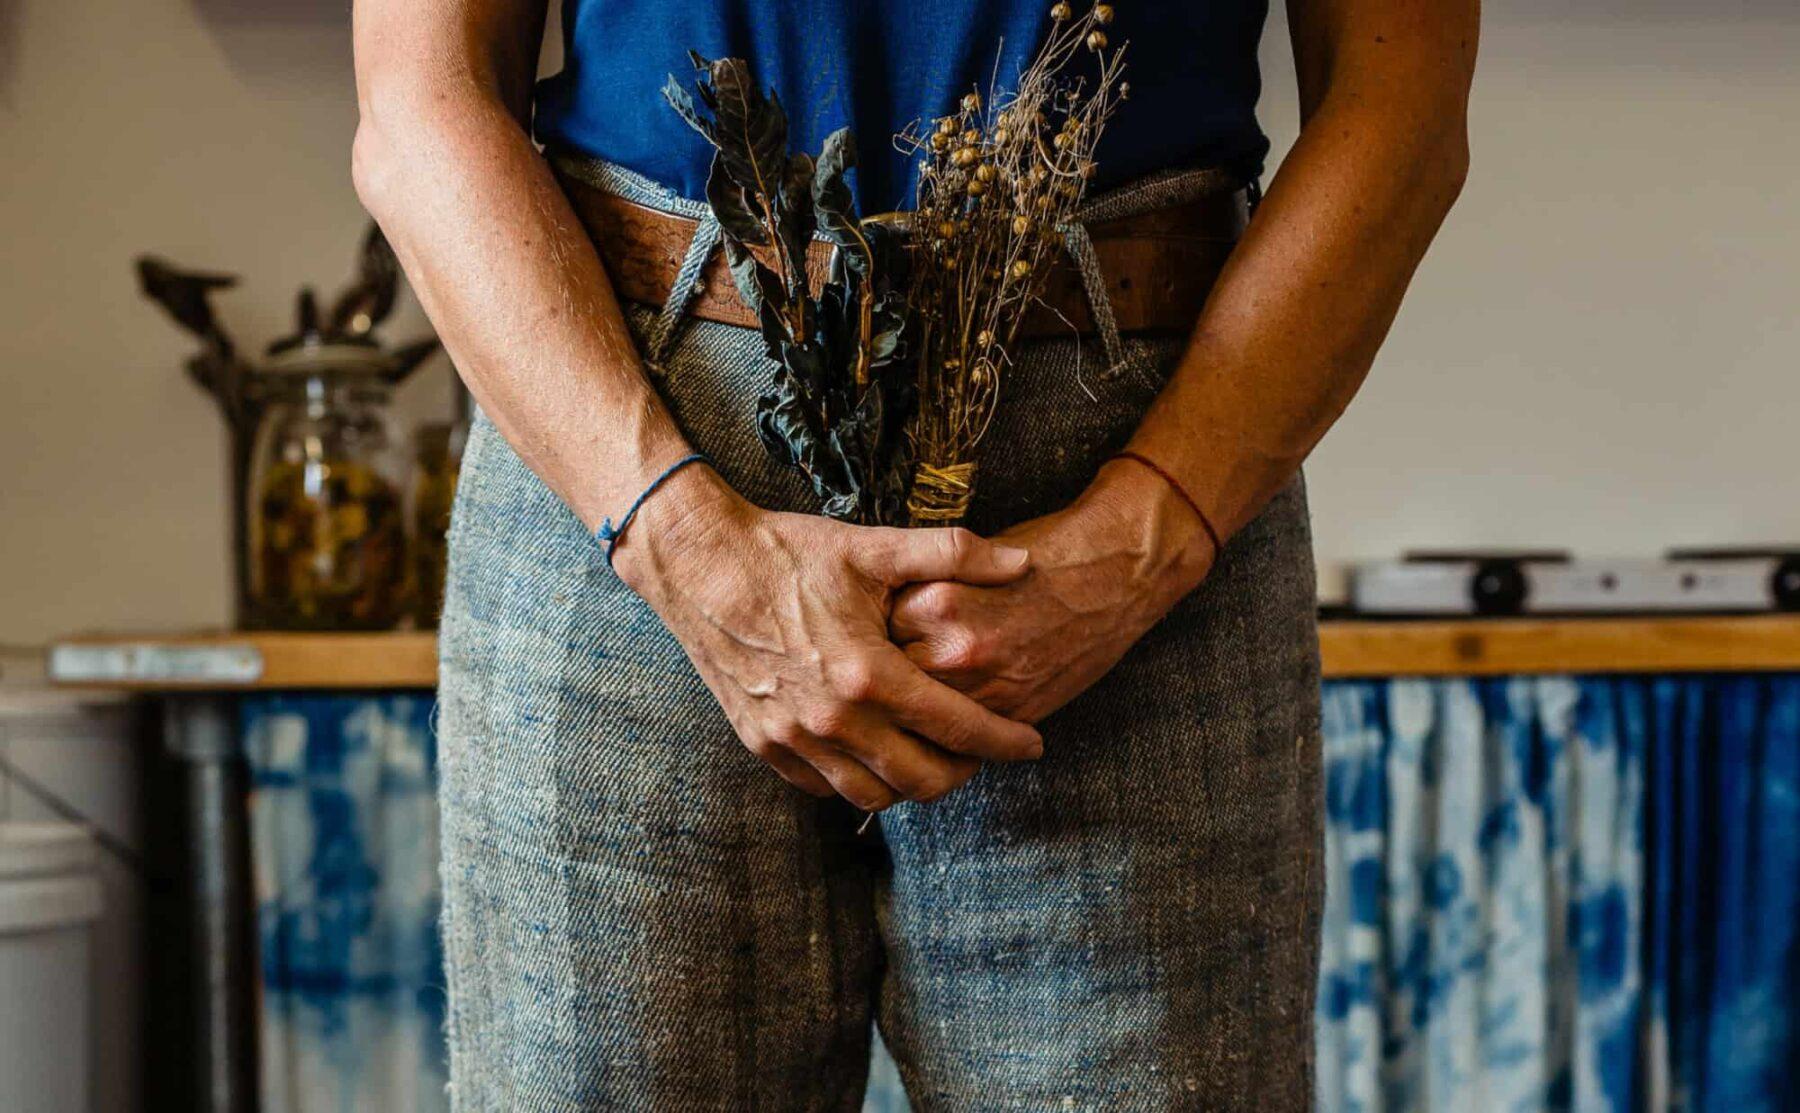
(878, 65)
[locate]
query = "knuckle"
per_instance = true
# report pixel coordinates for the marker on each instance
(932, 788)
(827, 720)
(935, 601)
(854, 679)
(964, 649)
(959, 544)
(763, 748)
(786, 734)
(870, 799)
(954, 735)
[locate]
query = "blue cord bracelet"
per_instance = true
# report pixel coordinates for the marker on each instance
(609, 534)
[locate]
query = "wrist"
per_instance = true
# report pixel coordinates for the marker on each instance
(1142, 510)
(690, 519)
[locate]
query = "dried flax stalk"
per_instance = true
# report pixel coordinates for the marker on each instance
(1001, 179)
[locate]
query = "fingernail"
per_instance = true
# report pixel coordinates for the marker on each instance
(1010, 559)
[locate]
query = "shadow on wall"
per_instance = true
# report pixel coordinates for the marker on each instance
(1612, 12)
(9, 49)
(286, 12)
(288, 48)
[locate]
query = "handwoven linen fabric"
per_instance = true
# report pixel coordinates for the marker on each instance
(640, 915)
(878, 67)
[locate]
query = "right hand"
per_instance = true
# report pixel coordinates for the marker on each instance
(786, 618)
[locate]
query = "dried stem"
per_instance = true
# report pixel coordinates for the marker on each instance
(1002, 178)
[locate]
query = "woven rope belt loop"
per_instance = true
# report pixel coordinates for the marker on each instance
(1080, 246)
(687, 283)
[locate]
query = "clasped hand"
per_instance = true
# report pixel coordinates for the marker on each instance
(886, 664)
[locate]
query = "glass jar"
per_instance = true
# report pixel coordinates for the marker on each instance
(437, 455)
(327, 527)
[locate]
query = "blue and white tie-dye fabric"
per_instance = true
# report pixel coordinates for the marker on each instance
(1483, 905)
(344, 849)
(1559, 894)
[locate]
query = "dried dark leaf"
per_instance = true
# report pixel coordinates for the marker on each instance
(731, 206)
(795, 216)
(756, 284)
(750, 129)
(683, 103)
(833, 201)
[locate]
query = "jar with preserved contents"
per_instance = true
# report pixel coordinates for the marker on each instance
(327, 524)
(437, 456)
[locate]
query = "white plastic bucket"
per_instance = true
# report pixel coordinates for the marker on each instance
(50, 897)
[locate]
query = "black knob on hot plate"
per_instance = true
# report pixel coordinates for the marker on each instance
(1785, 584)
(1498, 587)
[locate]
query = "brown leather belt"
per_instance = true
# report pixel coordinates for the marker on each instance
(1158, 266)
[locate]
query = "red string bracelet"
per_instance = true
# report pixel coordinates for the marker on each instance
(1175, 484)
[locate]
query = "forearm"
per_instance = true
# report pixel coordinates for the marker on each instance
(508, 276)
(1297, 316)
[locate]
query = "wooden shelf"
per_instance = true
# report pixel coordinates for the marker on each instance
(1497, 647)
(225, 661)
(236, 661)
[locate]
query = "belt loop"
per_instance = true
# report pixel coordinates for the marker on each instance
(687, 284)
(1081, 250)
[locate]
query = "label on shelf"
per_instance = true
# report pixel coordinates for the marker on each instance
(156, 663)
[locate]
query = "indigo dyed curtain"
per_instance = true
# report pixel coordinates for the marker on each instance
(1562, 894)
(344, 852)
(1542, 894)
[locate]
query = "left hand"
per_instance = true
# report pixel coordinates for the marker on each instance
(1102, 573)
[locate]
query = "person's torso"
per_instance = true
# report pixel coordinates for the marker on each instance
(880, 65)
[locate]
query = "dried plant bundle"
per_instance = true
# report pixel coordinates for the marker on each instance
(885, 380)
(1001, 179)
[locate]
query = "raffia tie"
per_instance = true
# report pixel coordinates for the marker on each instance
(941, 494)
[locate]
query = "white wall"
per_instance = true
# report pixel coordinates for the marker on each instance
(1601, 352)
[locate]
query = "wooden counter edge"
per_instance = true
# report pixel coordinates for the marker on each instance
(1349, 648)
(1501, 647)
(341, 661)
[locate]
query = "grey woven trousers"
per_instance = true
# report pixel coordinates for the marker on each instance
(639, 915)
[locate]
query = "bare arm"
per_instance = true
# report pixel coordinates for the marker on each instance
(1283, 344)
(785, 616)
(500, 263)
(1297, 317)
